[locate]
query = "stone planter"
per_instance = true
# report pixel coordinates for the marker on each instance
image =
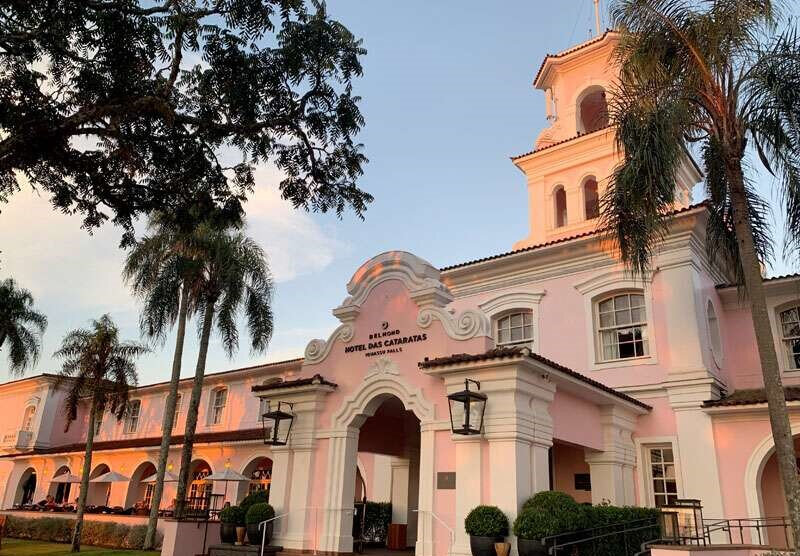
(530, 547)
(227, 533)
(254, 535)
(483, 546)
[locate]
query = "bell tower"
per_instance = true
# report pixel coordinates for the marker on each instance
(568, 169)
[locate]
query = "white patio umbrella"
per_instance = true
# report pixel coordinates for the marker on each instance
(227, 476)
(110, 477)
(169, 477)
(66, 478)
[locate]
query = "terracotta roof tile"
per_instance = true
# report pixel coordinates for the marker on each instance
(570, 51)
(520, 352)
(557, 143)
(316, 379)
(751, 397)
(556, 241)
(200, 438)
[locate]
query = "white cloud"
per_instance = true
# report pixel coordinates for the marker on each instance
(295, 243)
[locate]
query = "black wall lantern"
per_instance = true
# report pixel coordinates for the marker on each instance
(466, 409)
(278, 424)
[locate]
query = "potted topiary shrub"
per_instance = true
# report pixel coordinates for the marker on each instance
(230, 517)
(256, 514)
(546, 514)
(485, 526)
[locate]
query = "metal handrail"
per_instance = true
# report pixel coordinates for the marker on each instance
(753, 523)
(602, 533)
(262, 526)
(443, 524)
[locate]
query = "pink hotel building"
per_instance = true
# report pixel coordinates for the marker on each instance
(610, 388)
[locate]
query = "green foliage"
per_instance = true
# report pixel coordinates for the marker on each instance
(134, 106)
(257, 497)
(21, 326)
(486, 521)
(377, 516)
(259, 512)
(550, 501)
(232, 514)
(98, 365)
(107, 534)
(549, 513)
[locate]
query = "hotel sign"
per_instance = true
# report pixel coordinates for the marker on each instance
(385, 341)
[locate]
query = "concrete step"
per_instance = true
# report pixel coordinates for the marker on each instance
(244, 550)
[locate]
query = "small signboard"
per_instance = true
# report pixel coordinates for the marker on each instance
(446, 480)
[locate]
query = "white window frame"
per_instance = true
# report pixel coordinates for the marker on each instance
(216, 413)
(785, 350)
(513, 302)
(178, 402)
(129, 416)
(28, 419)
(508, 316)
(599, 329)
(601, 286)
(98, 423)
(644, 479)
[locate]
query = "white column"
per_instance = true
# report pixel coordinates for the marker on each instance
(337, 513)
(468, 485)
(611, 470)
(400, 490)
(542, 442)
(279, 487)
(293, 535)
(696, 436)
(413, 496)
(382, 478)
(425, 544)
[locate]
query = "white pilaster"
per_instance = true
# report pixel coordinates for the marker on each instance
(337, 513)
(425, 544)
(612, 469)
(468, 483)
(400, 468)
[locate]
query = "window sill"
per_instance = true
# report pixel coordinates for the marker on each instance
(629, 362)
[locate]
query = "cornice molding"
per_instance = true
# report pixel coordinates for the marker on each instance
(512, 300)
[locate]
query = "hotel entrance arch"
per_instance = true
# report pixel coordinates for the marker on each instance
(383, 386)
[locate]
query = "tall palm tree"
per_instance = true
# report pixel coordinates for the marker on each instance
(724, 74)
(100, 367)
(20, 325)
(161, 269)
(233, 277)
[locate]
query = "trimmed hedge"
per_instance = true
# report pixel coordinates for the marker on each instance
(107, 534)
(549, 513)
(259, 512)
(232, 514)
(377, 516)
(257, 497)
(486, 521)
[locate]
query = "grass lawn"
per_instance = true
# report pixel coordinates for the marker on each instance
(17, 547)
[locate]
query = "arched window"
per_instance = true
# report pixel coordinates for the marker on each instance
(219, 397)
(592, 110)
(515, 329)
(714, 337)
(27, 418)
(591, 200)
(790, 335)
(200, 487)
(132, 416)
(560, 205)
(621, 325)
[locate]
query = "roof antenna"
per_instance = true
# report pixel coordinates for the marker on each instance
(597, 16)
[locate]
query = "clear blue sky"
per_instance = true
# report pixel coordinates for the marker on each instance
(447, 98)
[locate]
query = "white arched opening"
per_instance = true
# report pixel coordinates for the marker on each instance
(98, 493)
(26, 488)
(60, 491)
(259, 470)
(592, 109)
(380, 386)
(140, 494)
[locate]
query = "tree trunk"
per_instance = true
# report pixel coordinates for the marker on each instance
(2, 338)
(87, 468)
(168, 422)
(191, 414)
(776, 399)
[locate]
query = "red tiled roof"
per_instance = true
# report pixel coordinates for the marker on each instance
(200, 438)
(772, 279)
(752, 397)
(557, 143)
(570, 51)
(522, 352)
(557, 241)
(316, 379)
